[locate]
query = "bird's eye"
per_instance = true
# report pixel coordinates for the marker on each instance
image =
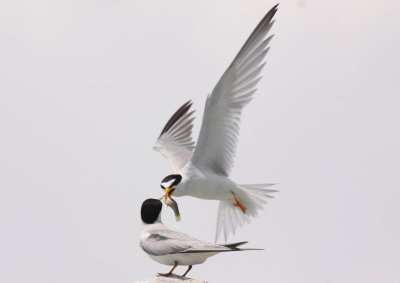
(162, 187)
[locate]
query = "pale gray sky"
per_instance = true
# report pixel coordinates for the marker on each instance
(86, 86)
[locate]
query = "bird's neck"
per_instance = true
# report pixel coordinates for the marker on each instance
(158, 221)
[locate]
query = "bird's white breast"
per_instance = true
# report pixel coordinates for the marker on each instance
(202, 184)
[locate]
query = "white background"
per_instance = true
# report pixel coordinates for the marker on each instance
(86, 86)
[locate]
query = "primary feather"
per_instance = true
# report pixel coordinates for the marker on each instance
(175, 142)
(204, 171)
(216, 146)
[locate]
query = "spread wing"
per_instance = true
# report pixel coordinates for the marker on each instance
(216, 146)
(175, 141)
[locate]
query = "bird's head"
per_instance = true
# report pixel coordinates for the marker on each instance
(150, 211)
(170, 183)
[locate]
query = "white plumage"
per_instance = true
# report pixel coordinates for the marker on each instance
(205, 170)
(173, 248)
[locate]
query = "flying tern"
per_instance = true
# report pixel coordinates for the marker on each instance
(173, 248)
(203, 171)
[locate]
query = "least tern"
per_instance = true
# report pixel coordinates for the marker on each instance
(203, 171)
(173, 248)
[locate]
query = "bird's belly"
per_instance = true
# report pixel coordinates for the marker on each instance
(210, 189)
(182, 258)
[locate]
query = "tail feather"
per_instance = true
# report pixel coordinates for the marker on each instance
(234, 245)
(253, 197)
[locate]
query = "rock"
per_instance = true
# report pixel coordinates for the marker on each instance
(172, 278)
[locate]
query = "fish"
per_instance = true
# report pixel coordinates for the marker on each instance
(174, 205)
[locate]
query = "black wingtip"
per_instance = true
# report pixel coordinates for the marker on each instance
(177, 115)
(273, 10)
(271, 13)
(234, 245)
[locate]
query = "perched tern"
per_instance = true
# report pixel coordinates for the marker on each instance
(203, 171)
(173, 248)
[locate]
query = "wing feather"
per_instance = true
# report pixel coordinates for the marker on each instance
(165, 241)
(216, 146)
(158, 243)
(175, 142)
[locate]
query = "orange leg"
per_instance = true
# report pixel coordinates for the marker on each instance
(239, 204)
(170, 272)
(189, 268)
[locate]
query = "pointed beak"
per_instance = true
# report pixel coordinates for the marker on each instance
(169, 191)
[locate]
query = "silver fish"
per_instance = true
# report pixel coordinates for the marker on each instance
(174, 205)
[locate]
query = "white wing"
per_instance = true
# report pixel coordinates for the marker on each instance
(175, 141)
(165, 241)
(219, 132)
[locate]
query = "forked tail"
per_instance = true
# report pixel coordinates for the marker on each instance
(235, 247)
(246, 202)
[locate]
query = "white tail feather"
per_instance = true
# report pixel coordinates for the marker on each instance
(230, 217)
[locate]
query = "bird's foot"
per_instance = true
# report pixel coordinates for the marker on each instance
(170, 272)
(164, 274)
(239, 204)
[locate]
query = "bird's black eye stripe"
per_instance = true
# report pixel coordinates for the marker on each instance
(162, 187)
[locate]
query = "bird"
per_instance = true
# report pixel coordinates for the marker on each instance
(202, 171)
(173, 248)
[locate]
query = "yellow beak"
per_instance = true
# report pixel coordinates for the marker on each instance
(169, 191)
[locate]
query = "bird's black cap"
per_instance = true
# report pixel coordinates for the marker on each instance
(151, 209)
(176, 177)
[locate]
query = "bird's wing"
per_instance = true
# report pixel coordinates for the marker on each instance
(219, 131)
(218, 248)
(175, 141)
(163, 242)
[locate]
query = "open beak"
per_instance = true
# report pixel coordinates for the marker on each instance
(169, 191)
